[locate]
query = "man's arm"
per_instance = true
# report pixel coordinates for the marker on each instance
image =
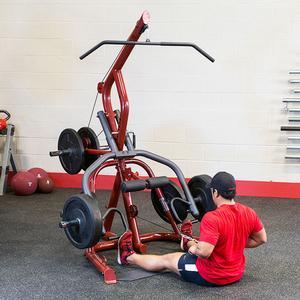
(201, 249)
(256, 239)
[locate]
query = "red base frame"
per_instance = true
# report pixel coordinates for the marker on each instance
(100, 262)
(124, 173)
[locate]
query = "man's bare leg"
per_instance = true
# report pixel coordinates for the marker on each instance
(156, 263)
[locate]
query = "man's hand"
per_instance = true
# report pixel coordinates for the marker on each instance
(201, 249)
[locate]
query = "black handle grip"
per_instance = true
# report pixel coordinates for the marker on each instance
(156, 182)
(139, 185)
(133, 186)
(134, 43)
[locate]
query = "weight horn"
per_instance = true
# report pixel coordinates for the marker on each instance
(81, 221)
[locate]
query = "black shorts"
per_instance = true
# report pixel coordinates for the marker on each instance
(188, 270)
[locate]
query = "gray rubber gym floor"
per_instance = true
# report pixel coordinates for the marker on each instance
(38, 262)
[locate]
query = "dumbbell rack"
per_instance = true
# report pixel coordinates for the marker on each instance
(7, 156)
(293, 119)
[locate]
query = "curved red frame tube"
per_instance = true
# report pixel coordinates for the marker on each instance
(116, 189)
(115, 76)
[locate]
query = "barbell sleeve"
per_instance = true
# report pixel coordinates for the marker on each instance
(59, 152)
(65, 224)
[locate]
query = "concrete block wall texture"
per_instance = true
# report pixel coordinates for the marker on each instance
(206, 117)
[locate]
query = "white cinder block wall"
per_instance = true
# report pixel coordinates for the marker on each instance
(204, 116)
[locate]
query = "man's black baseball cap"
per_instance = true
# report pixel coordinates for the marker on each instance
(224, 183)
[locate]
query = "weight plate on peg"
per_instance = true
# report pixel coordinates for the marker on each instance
(201, 194)
(81, 220)
(70, 142)
(89, 141)
(170, 191)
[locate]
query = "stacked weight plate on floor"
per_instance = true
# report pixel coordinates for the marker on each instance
(199, 190)
(170, 191)
(201, 194)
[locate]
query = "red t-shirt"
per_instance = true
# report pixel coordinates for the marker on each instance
(228, 229)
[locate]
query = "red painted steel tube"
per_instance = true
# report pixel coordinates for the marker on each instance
(113, 202)
(96, 151)
(105, 88)
(101, 265)
(124, 108)
(105, 245)
(158, 190)
(95, 174)
(145, 238)
(160, 236)
(132, 223)
(116, 192)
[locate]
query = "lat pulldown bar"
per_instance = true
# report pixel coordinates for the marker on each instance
(134, 43)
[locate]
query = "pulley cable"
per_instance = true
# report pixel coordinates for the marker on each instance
(98, 93)
(93, 109)
(153, 223)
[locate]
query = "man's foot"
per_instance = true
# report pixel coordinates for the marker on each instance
(186, 229)
(125, 247)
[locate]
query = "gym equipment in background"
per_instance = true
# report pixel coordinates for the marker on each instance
(7, 130)
(82, 220)
(38, 172)
(44, 182)
(292, 107)
(3, 121)
(45, 185)
(24, 183)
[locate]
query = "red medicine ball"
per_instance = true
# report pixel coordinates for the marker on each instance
(24, 183)
(38, 172)
(45, 185)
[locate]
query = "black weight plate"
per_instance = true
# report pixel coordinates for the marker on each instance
(89, 140)
(70, 140)
(170, 191)
(201, 194)
(88, 233)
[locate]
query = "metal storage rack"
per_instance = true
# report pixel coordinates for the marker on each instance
(293, 120)
(7, 157)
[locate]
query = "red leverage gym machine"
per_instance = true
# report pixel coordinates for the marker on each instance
(82, 220)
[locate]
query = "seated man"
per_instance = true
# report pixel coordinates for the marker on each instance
(217, 257)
